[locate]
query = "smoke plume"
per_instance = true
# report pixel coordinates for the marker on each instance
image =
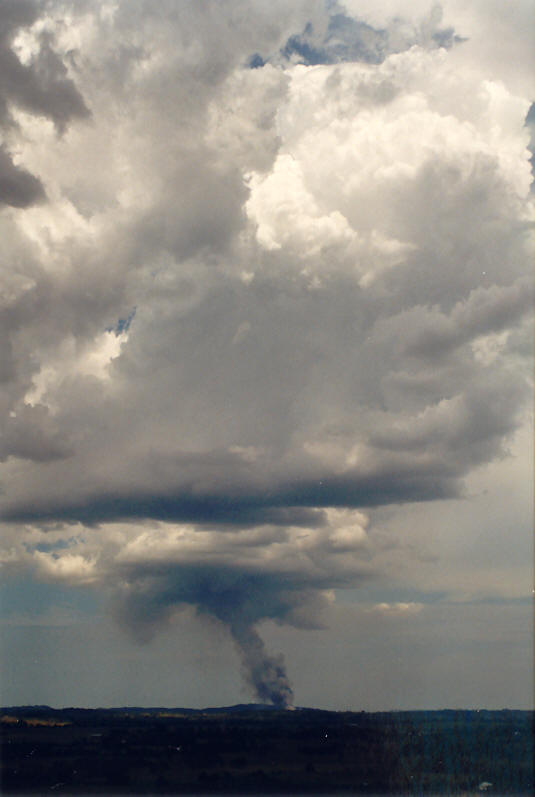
(266, 673)
(153, 592)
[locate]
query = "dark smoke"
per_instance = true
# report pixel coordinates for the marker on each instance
(265, 673)
(237, 600)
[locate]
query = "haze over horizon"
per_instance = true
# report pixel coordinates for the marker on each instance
(266, 353)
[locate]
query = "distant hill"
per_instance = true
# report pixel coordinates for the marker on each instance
(238, 708)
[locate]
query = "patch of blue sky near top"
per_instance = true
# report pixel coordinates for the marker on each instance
(346, 38)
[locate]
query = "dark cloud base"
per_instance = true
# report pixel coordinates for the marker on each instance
(18, 187)
(295, 504)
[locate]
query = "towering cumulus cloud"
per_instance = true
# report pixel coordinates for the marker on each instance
(265, 270)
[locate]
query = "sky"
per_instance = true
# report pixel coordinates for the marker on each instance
(266, 382)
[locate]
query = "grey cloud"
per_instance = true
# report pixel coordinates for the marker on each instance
(486, 310)
(209, 390)
(182, 507)
(520, 341)
(41, 87)
(530, 124)
(222, 37)
(16, 13)
(205, 213)
(431, 30)
(465, 431)
(32, 434)
(18, 187)
(40, 311)
(236, 500)
(441, 196)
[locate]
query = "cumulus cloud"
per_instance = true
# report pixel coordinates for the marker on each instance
(34, 76)
(255, 301)
(33, 79)
(485, 310)
(18, 187)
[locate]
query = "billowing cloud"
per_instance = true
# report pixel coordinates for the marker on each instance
(18, 187)
(256, 303)
(34, 76)
(33, 79)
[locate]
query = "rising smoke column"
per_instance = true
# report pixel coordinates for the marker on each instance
(238, 610)
(152, 592)
(264, 672)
